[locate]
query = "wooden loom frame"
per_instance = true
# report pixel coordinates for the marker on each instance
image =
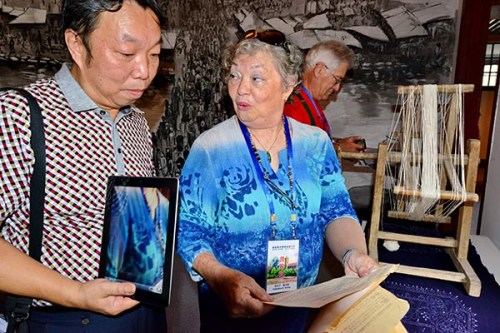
(457, 247)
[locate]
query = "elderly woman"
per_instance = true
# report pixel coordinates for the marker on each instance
(256, 185)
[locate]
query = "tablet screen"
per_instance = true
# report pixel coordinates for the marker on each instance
(139, 235)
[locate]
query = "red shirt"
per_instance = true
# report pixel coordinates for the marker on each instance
(305, 109)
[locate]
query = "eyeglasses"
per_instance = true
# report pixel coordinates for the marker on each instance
(272, 37)
(336, 79)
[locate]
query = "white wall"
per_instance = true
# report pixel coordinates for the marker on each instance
(490, 220)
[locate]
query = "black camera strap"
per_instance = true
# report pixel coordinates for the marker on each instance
(19, 307)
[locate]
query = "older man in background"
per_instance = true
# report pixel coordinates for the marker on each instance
(325, 68)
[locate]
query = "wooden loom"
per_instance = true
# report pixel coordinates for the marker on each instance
(456, 247)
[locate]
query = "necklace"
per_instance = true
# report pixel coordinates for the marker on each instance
(268, 154)
(269, 186)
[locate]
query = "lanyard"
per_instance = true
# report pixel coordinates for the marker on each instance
(320, 114)
(267, 183)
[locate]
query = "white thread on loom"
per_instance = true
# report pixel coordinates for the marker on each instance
(432, 158)
(457, 182)
(429, 179)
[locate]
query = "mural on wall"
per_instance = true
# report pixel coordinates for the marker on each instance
(30, 47)
(396, 43)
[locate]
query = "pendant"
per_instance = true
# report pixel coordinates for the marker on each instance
(268, 156)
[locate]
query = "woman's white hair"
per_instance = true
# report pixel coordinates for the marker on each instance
(288, 58)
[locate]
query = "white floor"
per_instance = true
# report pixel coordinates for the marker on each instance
(489, 254)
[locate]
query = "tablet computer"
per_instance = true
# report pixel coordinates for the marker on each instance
(138, 240)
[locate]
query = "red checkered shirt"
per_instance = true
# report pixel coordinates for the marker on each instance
(83, 148)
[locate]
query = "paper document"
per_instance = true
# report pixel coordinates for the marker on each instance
(399, 328)
(379, 311)
(321, 294)
(333, 311)
(366, 311)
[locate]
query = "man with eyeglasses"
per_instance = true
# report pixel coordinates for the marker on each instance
(325, 68)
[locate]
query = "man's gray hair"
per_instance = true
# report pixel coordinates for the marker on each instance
(332, 53)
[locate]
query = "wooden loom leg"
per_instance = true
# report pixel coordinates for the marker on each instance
(378, 194)
(465, 216)
(459, 256)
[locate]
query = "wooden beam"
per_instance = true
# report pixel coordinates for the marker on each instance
(432, 273)
(426, 218)
(443, 242)
(448, 88)
(443, 195)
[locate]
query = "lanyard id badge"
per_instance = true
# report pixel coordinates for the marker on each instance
(282, 265)
(282, 255)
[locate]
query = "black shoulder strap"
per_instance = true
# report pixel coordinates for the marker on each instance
(37, 187)
(19, 307)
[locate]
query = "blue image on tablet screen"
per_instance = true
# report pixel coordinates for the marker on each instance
(138, 236)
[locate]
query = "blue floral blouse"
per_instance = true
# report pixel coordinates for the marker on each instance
(224, 209)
